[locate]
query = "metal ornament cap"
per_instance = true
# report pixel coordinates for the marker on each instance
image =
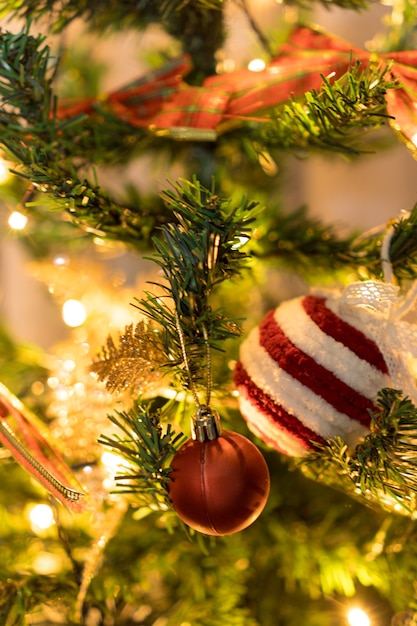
(205, 424)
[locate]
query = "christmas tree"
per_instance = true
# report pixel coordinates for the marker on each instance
(208, 407)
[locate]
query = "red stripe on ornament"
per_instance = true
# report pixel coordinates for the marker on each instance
(341, 331)
(311, 374)
(277, 414)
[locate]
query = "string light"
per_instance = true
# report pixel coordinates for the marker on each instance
(47, 563)
(358, 617)
(256, 65)
(111, 461)
(4, 171)
(112, 464)
(17, 220)
(60, 261)
(41, 517)
(73, 313)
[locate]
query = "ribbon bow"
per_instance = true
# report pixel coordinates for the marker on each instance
(380, 308)
(164, 103)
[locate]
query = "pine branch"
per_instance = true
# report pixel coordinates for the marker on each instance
(365, 252)
(28, 115)
(403, 249)
(88, 205)
(25, 81)
(333, 118)
(189, 23)
(303, 243)
(22, 597)
(49, 152)
(103, 15)
(353, 5)
(45, 149)
(255, 28)
(146, 448)
(195, 255)
(135, 362)
(383, 468)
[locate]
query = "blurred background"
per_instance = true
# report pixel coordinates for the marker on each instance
(362, 193)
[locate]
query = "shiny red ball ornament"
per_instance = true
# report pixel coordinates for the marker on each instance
(219, 487)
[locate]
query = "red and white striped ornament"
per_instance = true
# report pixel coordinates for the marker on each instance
(313, 367)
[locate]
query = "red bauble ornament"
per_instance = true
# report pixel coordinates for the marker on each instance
(219, 487)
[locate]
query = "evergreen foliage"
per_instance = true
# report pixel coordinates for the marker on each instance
(382, 468)
(315, 546)
(147, 448)
(196, 254)
(333, 119)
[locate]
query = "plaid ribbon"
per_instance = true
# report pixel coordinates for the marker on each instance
(21, 433)
(164, 103)
(138, 101)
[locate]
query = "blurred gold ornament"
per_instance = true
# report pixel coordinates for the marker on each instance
(79, 400)
(405, 618)
(78, 403)
(105, 527)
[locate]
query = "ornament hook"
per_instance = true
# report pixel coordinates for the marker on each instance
(205, 424)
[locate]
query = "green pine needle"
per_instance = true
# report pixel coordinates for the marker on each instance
(195, 255)
(147, 448)
(333, 118)
(353, 5)
(110, 15)
(383, 467)
(306, 245)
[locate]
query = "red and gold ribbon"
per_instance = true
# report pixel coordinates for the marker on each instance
(164, 103)
(21, 433)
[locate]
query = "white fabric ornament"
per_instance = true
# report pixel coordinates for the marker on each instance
(312, 369)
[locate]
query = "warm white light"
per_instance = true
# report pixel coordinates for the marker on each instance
(68, 365)
(256, 65)
(17, 220)
(4, 171)
(41, 517)
(60, 260)
(357, 617)
(111, 461)
(240, 241)
(47, 564)
(73, 313)
(113, 464)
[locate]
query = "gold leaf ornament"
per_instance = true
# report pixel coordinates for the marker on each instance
(135, 362)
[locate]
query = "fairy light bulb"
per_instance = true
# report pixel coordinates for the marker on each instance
(112, 464)
(47, 564)
(60, 260)
(73, 313)
(4, 171)
(358, 617)
(17, 220)
(111, 461)
(41, 517)
(256, 65)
